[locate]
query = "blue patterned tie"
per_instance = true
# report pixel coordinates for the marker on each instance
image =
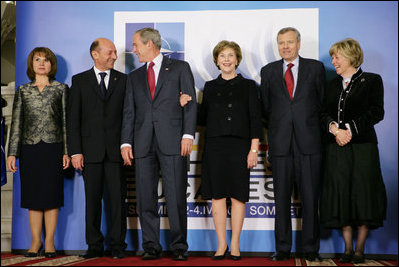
(103, 90)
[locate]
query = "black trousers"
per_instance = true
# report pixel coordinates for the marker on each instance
(306, 170)
(105, 178)
(174, 181)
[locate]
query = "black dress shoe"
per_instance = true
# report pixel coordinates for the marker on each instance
(312, 256)
(280, 256)
(34, 254)
(91, 253)
(221, 257)
(180, 255)
(151, 254)
(346, 257)
(50, 254)
(358, 259)
(117, 254)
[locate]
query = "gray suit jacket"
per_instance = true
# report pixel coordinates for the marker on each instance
(163, 116)
(299, 117)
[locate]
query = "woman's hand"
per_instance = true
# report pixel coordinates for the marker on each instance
(184, 99)
(342, 137)
(252, 159)
(66, 161)
(11, 163)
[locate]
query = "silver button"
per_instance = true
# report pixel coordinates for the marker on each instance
(230, 105)
(229, 118)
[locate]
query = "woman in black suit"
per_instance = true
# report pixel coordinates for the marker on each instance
(38, 139)
(353, 189)
(230, 111)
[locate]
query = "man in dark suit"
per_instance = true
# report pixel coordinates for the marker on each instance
(94, 132)
(161, 134)
(292, 91)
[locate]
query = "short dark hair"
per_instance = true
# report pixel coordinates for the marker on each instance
(49, 55)
(94, 46)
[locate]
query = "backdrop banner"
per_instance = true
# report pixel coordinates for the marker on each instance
(190, 31)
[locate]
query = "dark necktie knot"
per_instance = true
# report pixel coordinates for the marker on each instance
(151, 64)
(290, 66)
(103, 74)
(102, 83)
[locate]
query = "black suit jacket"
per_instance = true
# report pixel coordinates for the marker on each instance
(94, 123)
(299, 117)
(231, 107)
(362, 106)
(162, 116)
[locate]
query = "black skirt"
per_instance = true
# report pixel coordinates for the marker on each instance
(353, 191)
(224, 168)
(42, 179)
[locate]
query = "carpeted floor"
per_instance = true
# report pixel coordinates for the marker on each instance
(8, 259)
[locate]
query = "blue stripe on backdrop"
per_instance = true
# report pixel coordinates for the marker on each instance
(69, 27)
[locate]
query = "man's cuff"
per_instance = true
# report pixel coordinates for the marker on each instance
(126, 145)
(188, 136)
(75, 155)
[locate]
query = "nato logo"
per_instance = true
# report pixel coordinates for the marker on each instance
(172, 35)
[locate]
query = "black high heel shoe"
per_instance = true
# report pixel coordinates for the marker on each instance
(235, 258)
(50, 254)
(221, 257)
(34, 254)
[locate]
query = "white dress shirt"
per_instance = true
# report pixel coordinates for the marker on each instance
(106, 78)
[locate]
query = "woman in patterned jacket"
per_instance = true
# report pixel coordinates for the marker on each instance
(38, 139)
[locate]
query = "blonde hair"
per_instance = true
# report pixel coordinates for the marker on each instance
(350, 49)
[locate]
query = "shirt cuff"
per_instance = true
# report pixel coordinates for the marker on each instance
(336, 124)
(188, 136)
(126, 145)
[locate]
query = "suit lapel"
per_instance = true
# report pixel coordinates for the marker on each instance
(301, 75)
(144, 80)
(280, 75)
(94, 83)
(163, 74)
(113, 81)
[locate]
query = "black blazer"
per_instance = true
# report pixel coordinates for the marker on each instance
(94, 123)
(231, 107)
(361, 106)
(300, 116)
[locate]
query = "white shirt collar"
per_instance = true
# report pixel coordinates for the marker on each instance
(97, 71)
(295, 62)
(157, 61)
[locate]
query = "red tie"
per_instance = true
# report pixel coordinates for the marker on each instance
(151, 79)
(289, 80)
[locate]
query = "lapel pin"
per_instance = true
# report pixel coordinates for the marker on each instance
(166, 68)
(115, 79)
(362, 80)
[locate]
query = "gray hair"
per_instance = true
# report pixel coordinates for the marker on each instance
(290, 29)
(147, 34)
